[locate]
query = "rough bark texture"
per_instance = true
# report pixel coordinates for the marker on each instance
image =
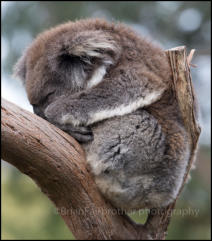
(56, 162)
(185, 95)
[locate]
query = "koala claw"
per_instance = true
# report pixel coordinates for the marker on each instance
(82, 138)
(81, 133)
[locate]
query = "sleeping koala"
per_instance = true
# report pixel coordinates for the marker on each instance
(111, 90)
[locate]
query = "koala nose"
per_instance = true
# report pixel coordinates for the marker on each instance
(38, 111)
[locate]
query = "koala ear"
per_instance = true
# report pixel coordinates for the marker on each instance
(20, 68)
(97, 44)
(87, 45)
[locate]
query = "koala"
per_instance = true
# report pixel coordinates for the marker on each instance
(111, 90)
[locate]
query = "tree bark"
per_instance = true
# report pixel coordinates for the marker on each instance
(56, 162)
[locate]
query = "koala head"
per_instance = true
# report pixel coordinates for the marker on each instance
(67, 59)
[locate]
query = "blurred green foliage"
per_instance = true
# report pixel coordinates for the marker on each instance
(26, 212)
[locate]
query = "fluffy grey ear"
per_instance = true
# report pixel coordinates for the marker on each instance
(19, 69)
(87, 45)
(97, 44)
(75, 56)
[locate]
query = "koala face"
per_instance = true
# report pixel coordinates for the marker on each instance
(66, 60)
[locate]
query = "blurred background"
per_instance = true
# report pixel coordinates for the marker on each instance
(26, 211)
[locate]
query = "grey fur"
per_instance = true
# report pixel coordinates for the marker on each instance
(111, 90)
(129, 158)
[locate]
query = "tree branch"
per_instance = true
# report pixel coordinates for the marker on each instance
(159, 219)
(56, 162)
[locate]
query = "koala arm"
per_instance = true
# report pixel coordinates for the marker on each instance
(114, 89)
(108, 99)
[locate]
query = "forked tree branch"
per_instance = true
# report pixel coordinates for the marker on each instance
(56, 162)
(185, 96)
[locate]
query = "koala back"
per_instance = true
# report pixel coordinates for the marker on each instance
(137, 160)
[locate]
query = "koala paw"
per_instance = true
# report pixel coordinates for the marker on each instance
(61, 113)
(81, 133)
(75, 119)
